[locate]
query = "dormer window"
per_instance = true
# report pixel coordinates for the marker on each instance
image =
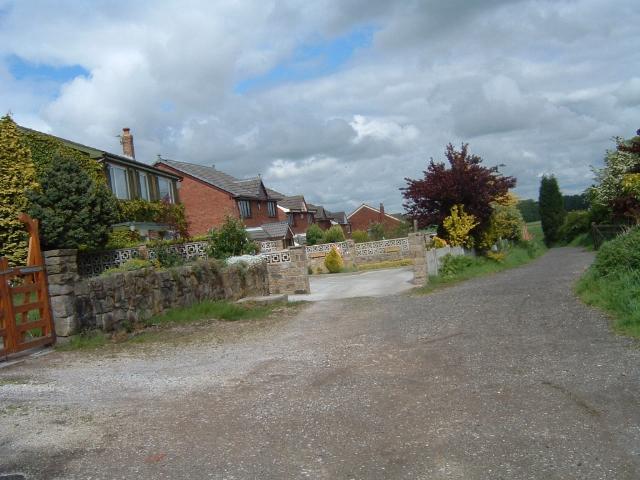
(245, 208)
(271, 208)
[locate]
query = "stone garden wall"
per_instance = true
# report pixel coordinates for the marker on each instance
(288, 271)
(107, 302)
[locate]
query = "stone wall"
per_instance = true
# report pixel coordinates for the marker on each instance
(417, 253)
(288, 272)
(107, 302)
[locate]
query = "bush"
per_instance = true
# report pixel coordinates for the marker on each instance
(131, 265)
(171, 214)
(122, 239)
(458, 225)
(230, 240)
(621, 253)
(401, 231)
(576, 223)
(360, 236)
(74, 211)
(455, 264)
(167, 257)
(376, 232)
(334, 235)
(439, 242)
(333, 261)
(314, 234)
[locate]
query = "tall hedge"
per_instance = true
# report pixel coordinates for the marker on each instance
(17, 175)
(552, 211)
(74, 211)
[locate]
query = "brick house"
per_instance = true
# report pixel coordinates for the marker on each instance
(209, 195)
(364, 216)
(279, 232)
(295, 211)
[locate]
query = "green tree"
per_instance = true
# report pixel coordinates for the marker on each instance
(552, 212)
(74, 211)
(17, 175)
(333, 235)
(314, 234)
(230, 239)
(530, 210)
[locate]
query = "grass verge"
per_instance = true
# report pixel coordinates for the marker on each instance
(617, 294)
(466, 268)
(152, 329)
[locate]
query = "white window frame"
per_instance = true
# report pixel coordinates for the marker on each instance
(170, 191)
(115, 188)
(244, 206)
(145, 193)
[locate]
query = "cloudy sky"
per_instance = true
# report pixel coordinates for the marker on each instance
(338, 100)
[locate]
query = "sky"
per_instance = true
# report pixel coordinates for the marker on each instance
(335, 100)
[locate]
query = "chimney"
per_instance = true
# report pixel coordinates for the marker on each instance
(127, 143)
(381, 214)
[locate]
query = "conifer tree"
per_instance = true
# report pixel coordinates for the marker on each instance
(17, 176)
(74, 211)
(552, 211)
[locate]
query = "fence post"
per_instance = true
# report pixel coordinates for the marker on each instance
(62, 274)
(417, 253)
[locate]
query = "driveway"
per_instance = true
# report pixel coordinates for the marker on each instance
(503, 377)
(373, 283)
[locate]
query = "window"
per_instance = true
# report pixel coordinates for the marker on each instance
(271, 208)
(164, 188)
(291, 219)
(245, 208)
(144, 186)
(119, 184)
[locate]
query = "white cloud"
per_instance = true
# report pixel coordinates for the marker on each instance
(535, 85)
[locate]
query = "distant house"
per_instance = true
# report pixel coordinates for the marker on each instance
(295, 210)
(364, 216)
(277, 231)
(209, 195)
(341, 219)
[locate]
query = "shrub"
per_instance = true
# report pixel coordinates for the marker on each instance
(458, 225)
(131, 265)
(453, 265)
(360, 236)
(74, 211)
(17, 174)
(576, 223)
(230, 240)
(333, 261)
(498, 257)
(122, 239)
(621, 253)
(333, 235)
(314, 234)
(376, 232)
(439, 242)
(167, 257)
(401, 231)
(505, 223)
(171, 214)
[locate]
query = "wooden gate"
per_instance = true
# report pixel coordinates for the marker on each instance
(25, 313)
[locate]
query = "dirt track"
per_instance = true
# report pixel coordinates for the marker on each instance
(506, 376)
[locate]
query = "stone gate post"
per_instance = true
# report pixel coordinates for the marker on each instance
(62, 275)
(417, 253)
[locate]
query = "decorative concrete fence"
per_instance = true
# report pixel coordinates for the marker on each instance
(382, 251)
(315, 254)
(95, 263)
(269, 246)
(109, 302)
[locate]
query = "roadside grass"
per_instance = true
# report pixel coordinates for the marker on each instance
(387, 264)
(617, 294)
(466, 268)
(156, 327)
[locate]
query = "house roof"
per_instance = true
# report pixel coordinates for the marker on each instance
(267, 231)
(243, 188)
(295, 202)
(321, 213)
(364, 205)
(102, 155)
(339, 217)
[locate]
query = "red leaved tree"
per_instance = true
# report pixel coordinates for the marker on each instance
(466, 182)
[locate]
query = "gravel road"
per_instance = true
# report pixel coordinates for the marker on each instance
(502, 377)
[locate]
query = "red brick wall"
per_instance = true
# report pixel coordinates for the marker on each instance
(301, 222)
(364, 217)
(259, 214)
(205, 206)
